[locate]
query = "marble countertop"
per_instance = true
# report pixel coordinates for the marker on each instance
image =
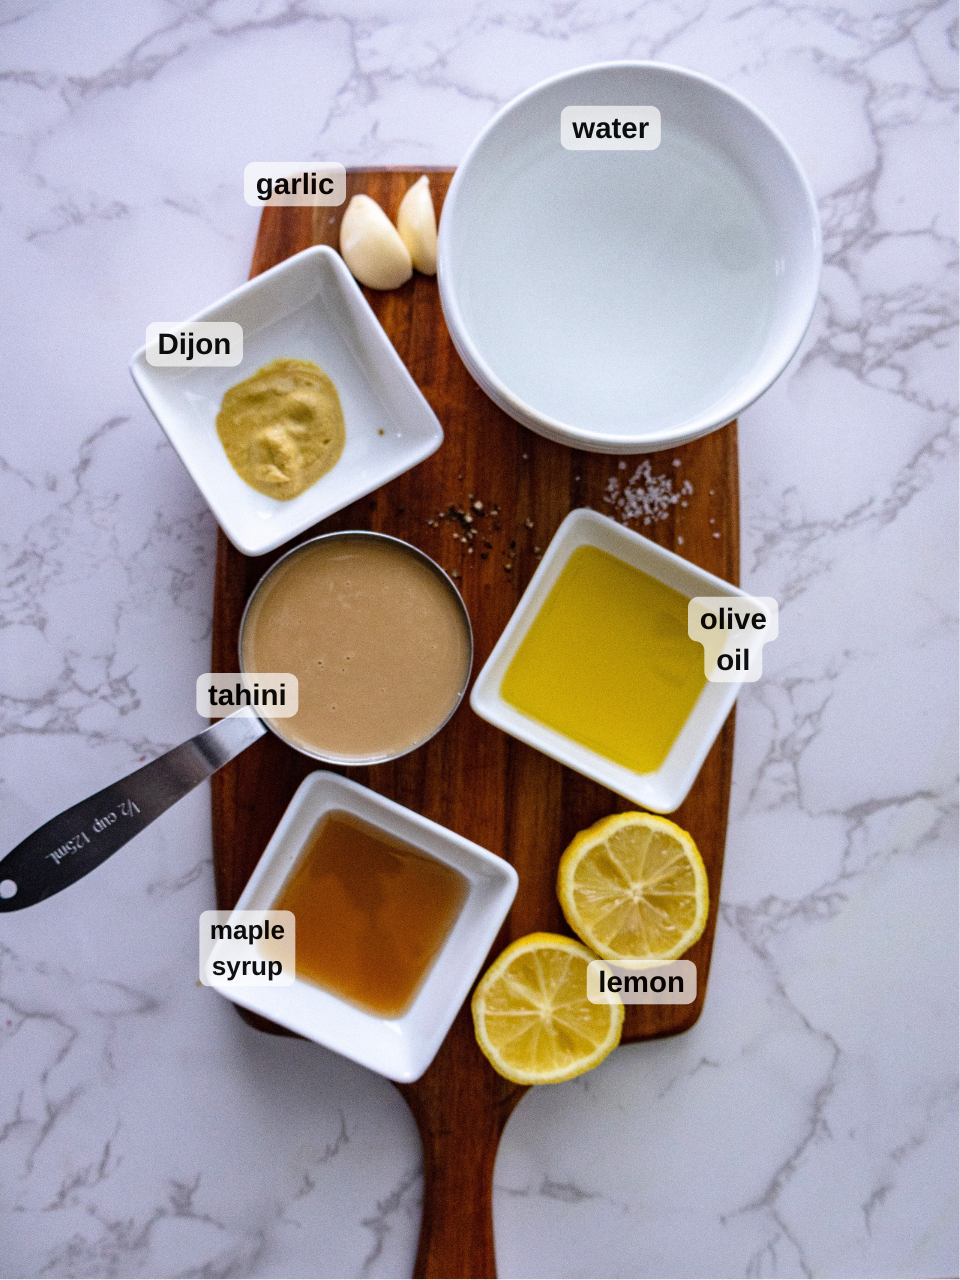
(806, 1125)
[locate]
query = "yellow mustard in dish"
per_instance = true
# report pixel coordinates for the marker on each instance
(282, 429)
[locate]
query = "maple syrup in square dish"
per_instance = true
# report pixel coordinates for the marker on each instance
(395, 916)
(372, 913)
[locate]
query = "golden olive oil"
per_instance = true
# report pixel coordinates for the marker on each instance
(608, 662)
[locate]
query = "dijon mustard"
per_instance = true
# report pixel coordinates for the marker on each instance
(282, 428)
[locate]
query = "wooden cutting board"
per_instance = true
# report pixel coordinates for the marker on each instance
(471, 777)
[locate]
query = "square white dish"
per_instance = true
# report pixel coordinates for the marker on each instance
(400, 1048)
(309, 307)
(665, 789)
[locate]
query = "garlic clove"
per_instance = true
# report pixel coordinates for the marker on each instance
(417, 224)
(371, 247)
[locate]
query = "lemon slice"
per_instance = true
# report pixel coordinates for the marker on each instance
(531, 1013)
(633, 887)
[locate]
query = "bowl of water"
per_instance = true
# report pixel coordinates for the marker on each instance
(619, 295)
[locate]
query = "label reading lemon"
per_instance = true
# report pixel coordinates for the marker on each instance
(666, 984)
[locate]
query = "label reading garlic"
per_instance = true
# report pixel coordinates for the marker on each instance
(294, 182)
(610, 128)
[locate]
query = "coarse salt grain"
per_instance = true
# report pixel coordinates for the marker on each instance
(644, 495)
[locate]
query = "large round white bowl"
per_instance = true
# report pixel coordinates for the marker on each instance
(627, 301)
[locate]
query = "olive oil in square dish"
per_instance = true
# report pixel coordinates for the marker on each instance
(596, 667)
(608, 663)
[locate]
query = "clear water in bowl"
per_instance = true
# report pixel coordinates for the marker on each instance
(635, 306)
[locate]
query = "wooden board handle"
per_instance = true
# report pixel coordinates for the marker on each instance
(460, 1139)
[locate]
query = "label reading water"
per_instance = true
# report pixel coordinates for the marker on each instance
(248, 949)
(610, 128)
(294, 182)
(270, 693)
(197, 342)
(665, 984)
(733, 631)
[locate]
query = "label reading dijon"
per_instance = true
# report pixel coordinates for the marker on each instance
(186, 344)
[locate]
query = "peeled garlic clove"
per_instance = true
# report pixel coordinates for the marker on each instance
(417, 224)
(371, 247)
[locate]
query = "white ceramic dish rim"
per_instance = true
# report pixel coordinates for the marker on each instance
(553, 428)
(400, 1049)
(223, 509)
(664, 790)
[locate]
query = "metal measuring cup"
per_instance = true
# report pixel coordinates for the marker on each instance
(78, 840)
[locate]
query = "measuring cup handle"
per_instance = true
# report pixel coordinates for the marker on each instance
(75, 842)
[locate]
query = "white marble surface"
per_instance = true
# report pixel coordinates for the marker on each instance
(805, 1126)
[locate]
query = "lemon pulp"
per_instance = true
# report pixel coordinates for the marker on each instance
(532, 1017)
(634, 888)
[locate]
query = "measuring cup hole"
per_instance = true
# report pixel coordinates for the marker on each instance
(8, 888)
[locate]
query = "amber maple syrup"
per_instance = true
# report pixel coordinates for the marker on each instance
(372, 913)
